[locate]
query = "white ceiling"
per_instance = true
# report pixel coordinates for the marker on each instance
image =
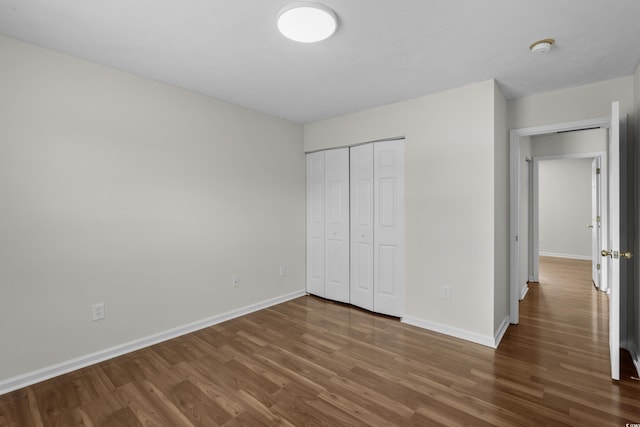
(384, 50)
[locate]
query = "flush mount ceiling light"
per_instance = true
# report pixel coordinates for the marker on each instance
(542, 46)
(307, 22)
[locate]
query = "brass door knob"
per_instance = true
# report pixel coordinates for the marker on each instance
(615, 254)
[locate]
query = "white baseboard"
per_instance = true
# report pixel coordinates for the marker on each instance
(635, 358)
(48, 372)
(502, 329)
(569, 256)
(524, 291)
(456, 332)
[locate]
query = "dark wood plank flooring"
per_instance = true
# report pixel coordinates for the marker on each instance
(314, 362)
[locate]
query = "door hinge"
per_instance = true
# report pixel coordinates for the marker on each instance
(597, 171)
(598, 267)
(598, 218)
(516, 238)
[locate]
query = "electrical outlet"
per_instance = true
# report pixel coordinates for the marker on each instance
(97, 311)
(236, 281)
(446, 292)
(283, 270)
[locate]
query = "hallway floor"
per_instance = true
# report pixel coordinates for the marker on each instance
(563, 338)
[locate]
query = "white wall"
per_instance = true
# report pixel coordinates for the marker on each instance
(565, 207)
(148, 198)
(450, 199)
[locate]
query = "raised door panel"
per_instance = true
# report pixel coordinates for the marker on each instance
(315, 223)
(389, 242)
(361, 158)
(336, 210)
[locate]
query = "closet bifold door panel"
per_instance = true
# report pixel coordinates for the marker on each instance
(388, 230)
(328, 224)
(336, 214)
(355, 226)
(361, 159)
(315, 223)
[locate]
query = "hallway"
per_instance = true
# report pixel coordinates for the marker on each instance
(563, 340)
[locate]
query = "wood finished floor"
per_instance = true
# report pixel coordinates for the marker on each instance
(313, 362)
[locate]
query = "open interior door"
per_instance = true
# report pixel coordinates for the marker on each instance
(613, 251)
(596, 244)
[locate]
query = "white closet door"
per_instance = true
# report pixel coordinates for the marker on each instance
(389, 227)
(361, 158)
(315, 223)
(336, 259)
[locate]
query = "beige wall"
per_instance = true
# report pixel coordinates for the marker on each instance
(586, 141)
(450, 198)
(565, 207)
(577, 103)
(148, 198)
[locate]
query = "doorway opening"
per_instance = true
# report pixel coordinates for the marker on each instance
(619, 216)
(523, 262)
(568, 192)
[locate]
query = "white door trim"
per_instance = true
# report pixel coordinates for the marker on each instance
(514, 187)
